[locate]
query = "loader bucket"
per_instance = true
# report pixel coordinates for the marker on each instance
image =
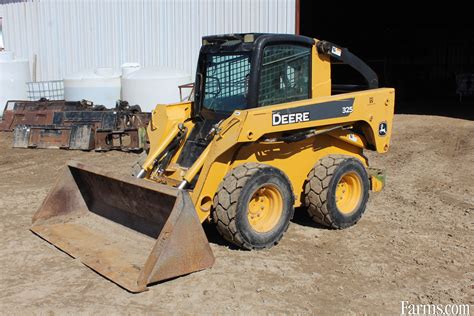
(134, 232)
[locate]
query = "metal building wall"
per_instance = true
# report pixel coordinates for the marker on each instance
(73, 35)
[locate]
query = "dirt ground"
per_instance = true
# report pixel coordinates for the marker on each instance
(414, 243)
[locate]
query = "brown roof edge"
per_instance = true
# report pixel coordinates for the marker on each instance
(297, 17)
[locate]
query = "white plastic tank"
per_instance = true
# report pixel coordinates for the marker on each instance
(128, 68)
(14, 74)
(101, 86)
(148, 87)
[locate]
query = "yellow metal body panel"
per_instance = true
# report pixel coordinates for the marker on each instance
(296, 159)
(377, 179)
(320, 74)
(164, 122)
(370, 108)
(376, 184)
(216, 163)
(349, 137)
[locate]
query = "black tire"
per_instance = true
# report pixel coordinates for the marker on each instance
(231, 205)
(320, 191)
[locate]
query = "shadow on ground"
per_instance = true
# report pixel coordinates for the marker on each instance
(300, 218)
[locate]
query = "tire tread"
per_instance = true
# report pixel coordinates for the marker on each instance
(225, 205)
(316, 190)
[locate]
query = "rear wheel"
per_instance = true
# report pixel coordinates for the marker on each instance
(253, 206)
(336, 191)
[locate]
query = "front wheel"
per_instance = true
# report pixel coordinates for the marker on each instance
(253, 206)
(336, 191)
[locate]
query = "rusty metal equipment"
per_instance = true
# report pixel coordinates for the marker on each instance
(41, 112)
(128, 139)
(87, 210)
(122, 128)
(190, 88)
(50, 136)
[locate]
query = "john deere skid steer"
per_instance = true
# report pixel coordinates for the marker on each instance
(266, 133)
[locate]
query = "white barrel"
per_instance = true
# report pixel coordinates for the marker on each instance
(101, 86)
(14, 74)
(128, 68)
(148, 87)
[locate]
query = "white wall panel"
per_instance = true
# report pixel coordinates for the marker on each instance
(72, 35)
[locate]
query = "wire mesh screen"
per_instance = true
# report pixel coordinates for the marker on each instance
(51, 90)
(226, 82)
(284, 74)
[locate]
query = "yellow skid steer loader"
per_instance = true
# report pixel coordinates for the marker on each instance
(266, 133)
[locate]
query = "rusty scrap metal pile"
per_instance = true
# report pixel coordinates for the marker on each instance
(75, 125)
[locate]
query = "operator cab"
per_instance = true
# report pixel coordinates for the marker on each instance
(243, 71)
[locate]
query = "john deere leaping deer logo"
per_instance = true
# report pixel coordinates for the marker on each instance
(383, 129)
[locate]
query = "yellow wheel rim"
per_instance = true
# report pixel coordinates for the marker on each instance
(349, 193)
(265, 208)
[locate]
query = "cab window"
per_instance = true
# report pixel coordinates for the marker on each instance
(285, 74)
(226, 82)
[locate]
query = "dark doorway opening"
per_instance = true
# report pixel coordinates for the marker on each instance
(420, 59)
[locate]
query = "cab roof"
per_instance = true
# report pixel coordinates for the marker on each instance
(256, 39)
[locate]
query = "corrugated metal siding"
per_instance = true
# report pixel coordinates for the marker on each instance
(68, 36)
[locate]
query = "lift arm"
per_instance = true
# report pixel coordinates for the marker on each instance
(344, 55)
